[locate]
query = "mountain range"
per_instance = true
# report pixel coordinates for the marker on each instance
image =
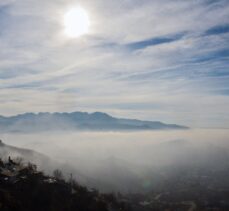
(98, 121)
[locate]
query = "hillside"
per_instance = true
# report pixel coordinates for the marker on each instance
(30, 122)
(22, 187)
(45, 163)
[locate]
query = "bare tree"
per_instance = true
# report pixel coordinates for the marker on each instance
(58, 174)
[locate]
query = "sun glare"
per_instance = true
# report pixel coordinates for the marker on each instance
(76, 22)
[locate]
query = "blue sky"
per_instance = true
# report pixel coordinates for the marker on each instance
(157, 60)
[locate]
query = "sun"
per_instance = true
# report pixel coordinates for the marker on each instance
(76, 22)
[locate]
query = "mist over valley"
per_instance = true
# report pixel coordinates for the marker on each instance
(126, 161)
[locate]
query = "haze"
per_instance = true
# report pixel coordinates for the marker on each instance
(124, 161)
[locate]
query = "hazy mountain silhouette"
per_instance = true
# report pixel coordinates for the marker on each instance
(44, 162)
(26, 154)
(31, 122)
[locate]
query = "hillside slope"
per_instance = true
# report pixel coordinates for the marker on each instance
(25, 188)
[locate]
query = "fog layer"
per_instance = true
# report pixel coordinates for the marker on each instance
(129, 161)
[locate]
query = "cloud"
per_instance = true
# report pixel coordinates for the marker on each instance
(153, 41)
(221, 29)
(137, 55)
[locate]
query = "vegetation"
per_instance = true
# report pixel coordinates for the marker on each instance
(23, 188)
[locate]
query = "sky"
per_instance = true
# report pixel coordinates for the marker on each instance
(150, 59)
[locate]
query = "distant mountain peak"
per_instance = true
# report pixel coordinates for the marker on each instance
(100, 115)
(97, 121)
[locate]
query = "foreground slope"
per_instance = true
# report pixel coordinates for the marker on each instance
(22, 187)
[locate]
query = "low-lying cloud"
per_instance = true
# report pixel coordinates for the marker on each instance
(124, 161)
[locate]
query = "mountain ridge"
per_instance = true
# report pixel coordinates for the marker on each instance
(97, 121)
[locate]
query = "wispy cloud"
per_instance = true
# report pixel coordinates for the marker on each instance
(221, 29)
(153, 41)
(142, 59)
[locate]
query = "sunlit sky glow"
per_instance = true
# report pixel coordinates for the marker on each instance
(76, 22)
(157, 60)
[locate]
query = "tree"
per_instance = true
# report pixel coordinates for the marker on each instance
(58, 174)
